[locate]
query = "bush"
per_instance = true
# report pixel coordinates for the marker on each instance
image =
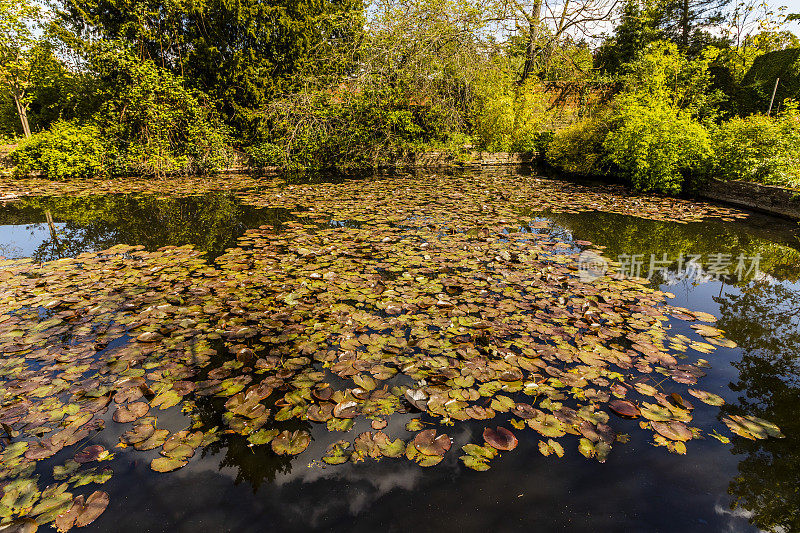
(153, 123)
(509, 118)
(66, 150)
(578, 148)
(759, 149)
(266, 154)
(656, 145)
(348, 128)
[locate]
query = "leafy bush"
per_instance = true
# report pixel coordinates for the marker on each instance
(266, 154)
(759, 148)
(349, 128)
(663, 74)
(578, 148)
(508, 117)
(656, 145)
(66, 150)
(155, 125)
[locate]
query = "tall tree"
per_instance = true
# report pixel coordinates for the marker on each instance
(688, 20)
(543, 23)
(639, 25)
(241, 53)
(19, 51)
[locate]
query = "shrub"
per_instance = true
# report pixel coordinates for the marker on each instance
(656, 145)
(66, 150)
(155, 125)
(508, 117)
(266, 154)
(759, 148)
(350, 127)
(578, 148)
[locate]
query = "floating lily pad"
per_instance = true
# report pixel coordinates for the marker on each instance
(428, 443)
(624, 408)
(500, 438)
(130, 412)
(286, 443)
(707, 397)
(672, 430)
(751, 427)
(90, 453)
(167, 464)
(263, 436)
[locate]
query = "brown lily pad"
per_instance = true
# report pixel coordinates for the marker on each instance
(500, 438)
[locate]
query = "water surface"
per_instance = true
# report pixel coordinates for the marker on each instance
(744, 486)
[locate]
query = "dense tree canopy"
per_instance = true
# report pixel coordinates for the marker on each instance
(241, 53)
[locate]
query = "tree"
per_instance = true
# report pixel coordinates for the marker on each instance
(686, 21)
(639, 25)
(543, 23)
(20, 52)
(242, 54)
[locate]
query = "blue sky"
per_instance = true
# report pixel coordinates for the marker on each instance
(794, 7)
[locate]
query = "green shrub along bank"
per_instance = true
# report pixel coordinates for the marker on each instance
(658, 148)
(759, 149)
(578, 148)
(662, 129)
(149, 124)
(66, 150)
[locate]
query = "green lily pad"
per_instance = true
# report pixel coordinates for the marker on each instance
(293, 443)
(167, 464)
(262, 436)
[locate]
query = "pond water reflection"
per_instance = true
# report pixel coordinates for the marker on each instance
(745, 486)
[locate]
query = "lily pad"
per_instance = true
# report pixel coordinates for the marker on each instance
(167, 464)
(500, 438)
(286, 443)
(130, 412)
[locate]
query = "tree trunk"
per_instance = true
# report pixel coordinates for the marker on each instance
(23, 113)
(685, 23)
(533, 36)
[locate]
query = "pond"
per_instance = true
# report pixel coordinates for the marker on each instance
(473, 351)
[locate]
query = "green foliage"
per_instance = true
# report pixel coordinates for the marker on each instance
(739, 59)
(242, 54)
(20, 53)
(760, 149)
(266, 154)
(639, 26)
(66, 150)
(759, 81)
(663, 74)
(578, 148)
(509, 117)
(324, 129)
(656, 145)
(155, 125)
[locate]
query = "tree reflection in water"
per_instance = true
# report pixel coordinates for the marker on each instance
(211, 223)
(764, 319)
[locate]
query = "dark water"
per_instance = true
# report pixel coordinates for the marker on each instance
(744, 486)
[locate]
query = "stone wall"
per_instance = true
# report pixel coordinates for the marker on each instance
(774, 200)
(445, 159)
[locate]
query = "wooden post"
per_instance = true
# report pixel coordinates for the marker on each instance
(771, 100)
